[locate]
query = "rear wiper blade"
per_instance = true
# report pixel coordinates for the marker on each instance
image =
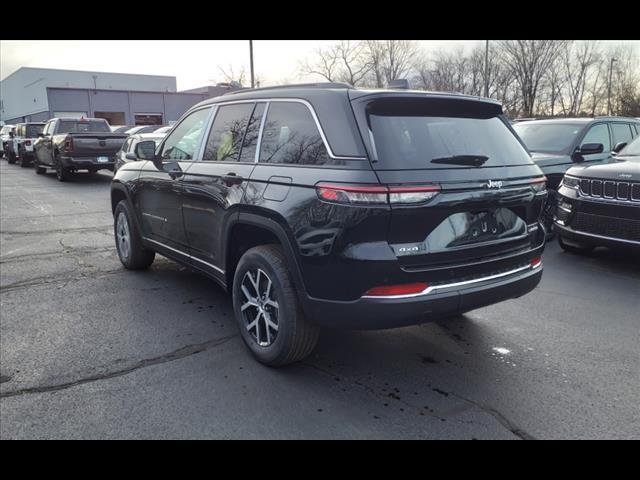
(471, 160)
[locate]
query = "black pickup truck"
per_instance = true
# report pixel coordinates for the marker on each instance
(72, 144)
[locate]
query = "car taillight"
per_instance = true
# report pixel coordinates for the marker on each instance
(536, 262)
(397, 290)
(68, 144)
(539, 184)
(375, 194)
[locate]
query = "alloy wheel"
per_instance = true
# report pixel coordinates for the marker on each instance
(259, 307)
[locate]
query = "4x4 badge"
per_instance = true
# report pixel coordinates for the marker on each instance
(494, 184)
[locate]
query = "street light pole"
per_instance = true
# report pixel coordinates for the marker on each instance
(486, 69)
(251, 62)
(613, 59)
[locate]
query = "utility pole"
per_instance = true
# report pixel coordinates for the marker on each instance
(613, 59)
(251, 62)
(486, 69)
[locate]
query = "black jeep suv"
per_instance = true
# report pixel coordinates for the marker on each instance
(327, 205)
(599, 205)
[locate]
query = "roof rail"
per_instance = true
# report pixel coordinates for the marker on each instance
(293, 85)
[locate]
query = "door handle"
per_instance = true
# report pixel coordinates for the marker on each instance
(232, 179)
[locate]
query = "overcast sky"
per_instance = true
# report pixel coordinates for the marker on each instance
(193, 62)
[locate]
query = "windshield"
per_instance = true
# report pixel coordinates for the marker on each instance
(72, 126)
(419, 142)
(631, 150)
(548, 137)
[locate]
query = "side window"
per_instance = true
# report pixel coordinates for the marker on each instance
(125, 145)
(227, 133)
(184, 140)
(598, 134)
(621, 133)
(291, 136)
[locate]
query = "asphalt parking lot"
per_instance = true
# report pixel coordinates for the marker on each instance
(90, 350)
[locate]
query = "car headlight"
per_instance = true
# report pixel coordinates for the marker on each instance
(570, 182)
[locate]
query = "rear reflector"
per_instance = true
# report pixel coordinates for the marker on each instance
(536, 262)
(68, 144)
(539, 184)
(375, 194)
(396, 290)
(27, 143)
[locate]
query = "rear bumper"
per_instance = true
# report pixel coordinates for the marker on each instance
(436, 302)
(88, 163)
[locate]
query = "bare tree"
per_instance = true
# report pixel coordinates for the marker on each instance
(230, 76)
(345, 61)
(529, 60)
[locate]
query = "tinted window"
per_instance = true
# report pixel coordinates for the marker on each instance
(412, 142)
(72, 126)
(248, 153)
(183, 142)
(291, 136)
(547, 138)
(229, 126)
(631, 150)
(33, 130)
(598, 134)
(621, 133)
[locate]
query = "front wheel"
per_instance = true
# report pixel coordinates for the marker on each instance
(267, 309)
(133, 255)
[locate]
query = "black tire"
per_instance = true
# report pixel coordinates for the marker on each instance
(137, 257)
(22, 160)
(574, 247)
(39, 170)
(62, 174)
(11, 158)
(296, 337)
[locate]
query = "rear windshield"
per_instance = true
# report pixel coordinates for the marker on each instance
(430, 142)
(548, 137)
(34, 130)
(71, 126)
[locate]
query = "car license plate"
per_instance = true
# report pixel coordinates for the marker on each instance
(103, 159)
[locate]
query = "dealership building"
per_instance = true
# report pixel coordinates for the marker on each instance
(38, 94)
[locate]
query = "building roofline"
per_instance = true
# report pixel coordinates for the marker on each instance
(89, 71)
(124, 91)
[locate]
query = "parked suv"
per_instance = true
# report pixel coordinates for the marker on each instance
(558, 144)
(6, 133)
(325, 205)
(599, 205)
(25, 136)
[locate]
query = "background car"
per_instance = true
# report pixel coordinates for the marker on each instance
(5, 135)
(164, 130)
(23, 140)
(558, 144)
(120, 128)
(127, 152)
(599, 205)
(143, 129)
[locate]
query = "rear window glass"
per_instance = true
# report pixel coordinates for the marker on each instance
(34, 130)
(414, 142)
(549, 137)
(70, 126)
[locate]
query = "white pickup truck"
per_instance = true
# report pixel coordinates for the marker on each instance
(20, 147)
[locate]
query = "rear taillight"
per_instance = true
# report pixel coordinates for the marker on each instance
(536, 262)
(27, 143)
(539, 184)
(68, 144)
(375, 194)
(397, 290)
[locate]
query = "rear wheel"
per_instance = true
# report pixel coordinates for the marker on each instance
(40, 170)
(11, 158)
(62, 174)
(573, 246)
(22, 160)
(132, 254)
(267, 309)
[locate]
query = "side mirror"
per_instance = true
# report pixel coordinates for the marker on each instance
(619, 146)
(591, 148)
(131, 156)
(145, 150)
